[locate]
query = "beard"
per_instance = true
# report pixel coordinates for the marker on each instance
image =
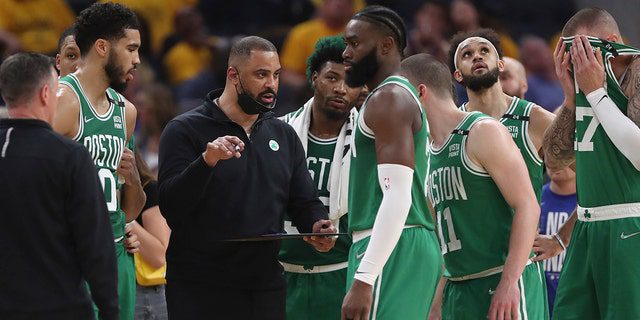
(336, 114)
(477, 83)
(363, 70)
(115, 74)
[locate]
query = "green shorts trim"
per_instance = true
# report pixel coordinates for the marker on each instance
(406, 286)
(315, 296)
(471, 299)
(600, 278)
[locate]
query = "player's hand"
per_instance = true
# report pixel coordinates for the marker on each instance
(322, 244)
(561, 61)
(222, 148)
(505, 303)
(587, 65)
(131, 242)
(128, 169)
(545, 247)
(357, 303)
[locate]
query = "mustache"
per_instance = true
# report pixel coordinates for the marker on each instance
(271, 91)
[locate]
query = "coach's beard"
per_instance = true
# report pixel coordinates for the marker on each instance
(485, 81)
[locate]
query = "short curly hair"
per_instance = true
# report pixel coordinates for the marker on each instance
(486, 33)
(103, 21)
(327, 49)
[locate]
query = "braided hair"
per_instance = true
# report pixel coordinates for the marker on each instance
(388, 21)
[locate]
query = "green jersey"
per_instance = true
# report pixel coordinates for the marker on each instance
(603, 175)
(104, 136)
(516, 119)
(295, 251)
(365, 194)
(474, 219)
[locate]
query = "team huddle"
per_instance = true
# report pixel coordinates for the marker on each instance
(440, 201)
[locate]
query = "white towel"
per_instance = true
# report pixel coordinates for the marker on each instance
(339, 175)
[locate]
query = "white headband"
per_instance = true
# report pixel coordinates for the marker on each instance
(467, 42)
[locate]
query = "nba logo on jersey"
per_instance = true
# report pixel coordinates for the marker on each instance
(387, 183)
(117, 122)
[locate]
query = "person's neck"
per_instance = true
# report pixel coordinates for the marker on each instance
(620, 65)
(386, 70)
(443, 117)
(323, 126)
(563, 188)
(228, 103)
(491, 101)
(26, 112)
(94, 82)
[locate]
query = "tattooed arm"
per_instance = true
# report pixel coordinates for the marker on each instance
(631, 87)
(559, 139)
(559, 136)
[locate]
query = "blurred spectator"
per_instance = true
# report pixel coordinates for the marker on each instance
(514, 78)
(258, 17)
(188, 52)
(159, 15)
(152, 231)
(156, 107)
(430, 31)
(543, 18)
(68, 55)
(35, 24)
(331, 19)
(465, 17)
(544, 87)
(191, 93)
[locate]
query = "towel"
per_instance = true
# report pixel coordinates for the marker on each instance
(339, 175)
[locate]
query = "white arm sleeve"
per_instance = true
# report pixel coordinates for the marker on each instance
(623, 132)
(395, 181)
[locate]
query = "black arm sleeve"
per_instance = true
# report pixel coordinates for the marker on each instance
(304, 207)
(91, 229)
(181, 179)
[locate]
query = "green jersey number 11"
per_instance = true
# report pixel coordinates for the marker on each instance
(454, 243)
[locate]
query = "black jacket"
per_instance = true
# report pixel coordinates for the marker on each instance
(54, 231)
(239, 197)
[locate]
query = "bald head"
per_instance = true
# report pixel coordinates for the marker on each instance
(593, 21)
(514, 78)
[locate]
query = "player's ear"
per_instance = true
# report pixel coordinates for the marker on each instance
(386, 45)
(314, 77)
(614, 38)
(457, 75)
(422, 91)
(500, 65)
(102, 47)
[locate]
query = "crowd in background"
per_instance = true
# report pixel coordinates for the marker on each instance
(185, 43)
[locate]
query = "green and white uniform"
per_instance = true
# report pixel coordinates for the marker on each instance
(316, 280)
(516, 119)
(601, 274)
(474, 227)
(405, 287)
(105, 137)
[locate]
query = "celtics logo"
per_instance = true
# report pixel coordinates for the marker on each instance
(274, 145)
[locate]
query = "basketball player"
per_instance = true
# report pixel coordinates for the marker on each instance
(600, 278)
(486, 209)
(315, 280)
(68, 55)
(513, 78)
(92, 112)
(476, 59)
(394, 262)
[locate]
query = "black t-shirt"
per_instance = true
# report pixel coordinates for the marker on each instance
(151, 190)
